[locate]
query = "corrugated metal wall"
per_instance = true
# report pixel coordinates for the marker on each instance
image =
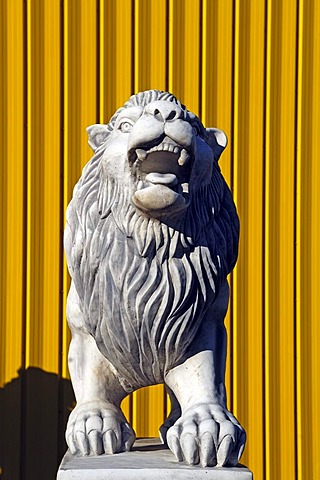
(251, 68)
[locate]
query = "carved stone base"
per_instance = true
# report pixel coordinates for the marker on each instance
(149, 459)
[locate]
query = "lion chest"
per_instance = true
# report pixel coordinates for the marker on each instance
(146, 309)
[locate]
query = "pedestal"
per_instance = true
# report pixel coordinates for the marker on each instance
(149, 459)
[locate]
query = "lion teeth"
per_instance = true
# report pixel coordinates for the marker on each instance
(165, 147)
(142, 154)
(185, 187)
(184, 157)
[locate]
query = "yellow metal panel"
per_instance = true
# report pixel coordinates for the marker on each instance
(148, 412)
(111, 48)
(248, 193)
(12, 189)
(35, 156)
(150, 45)
(116, 63)
(184, 48)
(51, 182)
(3, 194)
(307, 234)
(43, 184)
(216, 101)
(279, 241)
(88, 71)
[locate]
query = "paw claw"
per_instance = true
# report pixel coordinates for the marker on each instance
(82, 443)
(128, 436)
(110, 442)
(224, 451)
(207, 451)
(71, 443)
(95, 442)
(240, 452)
(174, 445)
(190, 449)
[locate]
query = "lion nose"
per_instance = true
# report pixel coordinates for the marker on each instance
(164, 111)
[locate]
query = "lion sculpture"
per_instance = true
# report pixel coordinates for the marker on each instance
(152, 233)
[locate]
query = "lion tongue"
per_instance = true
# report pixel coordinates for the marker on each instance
(168, 179)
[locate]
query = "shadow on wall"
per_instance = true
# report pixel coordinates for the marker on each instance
(34, 409)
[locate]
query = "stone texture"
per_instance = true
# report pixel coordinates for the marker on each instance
(152, 233)
(148, 460)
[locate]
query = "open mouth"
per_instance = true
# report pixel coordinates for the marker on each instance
(164, 164)
(162, 174)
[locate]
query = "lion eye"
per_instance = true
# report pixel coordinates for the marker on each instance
(196, 130)
(125, 127)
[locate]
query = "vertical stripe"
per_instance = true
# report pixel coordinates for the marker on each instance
(3, 197)
(43, 185)
(279, 240)
(150, 45)
(248, 190)
(307, 235)
(315, 241)
(12, 190)
(116, 63)
(28, 274)
(300, 439)
(184, 63)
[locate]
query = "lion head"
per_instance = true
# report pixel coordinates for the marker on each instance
(152, 233)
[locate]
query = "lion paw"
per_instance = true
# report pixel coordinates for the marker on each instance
(174, 415)
(207, 434)
(95, 428)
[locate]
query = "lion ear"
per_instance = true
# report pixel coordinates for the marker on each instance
(217, 140)
(97, 135)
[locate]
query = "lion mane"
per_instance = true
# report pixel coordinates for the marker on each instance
(144, 284)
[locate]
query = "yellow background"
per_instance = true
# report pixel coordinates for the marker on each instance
(251, 68)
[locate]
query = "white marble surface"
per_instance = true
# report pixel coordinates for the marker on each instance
(148, 460)
(152, 233)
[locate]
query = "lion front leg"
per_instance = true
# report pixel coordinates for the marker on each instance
(97, 424)
(206, 433)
